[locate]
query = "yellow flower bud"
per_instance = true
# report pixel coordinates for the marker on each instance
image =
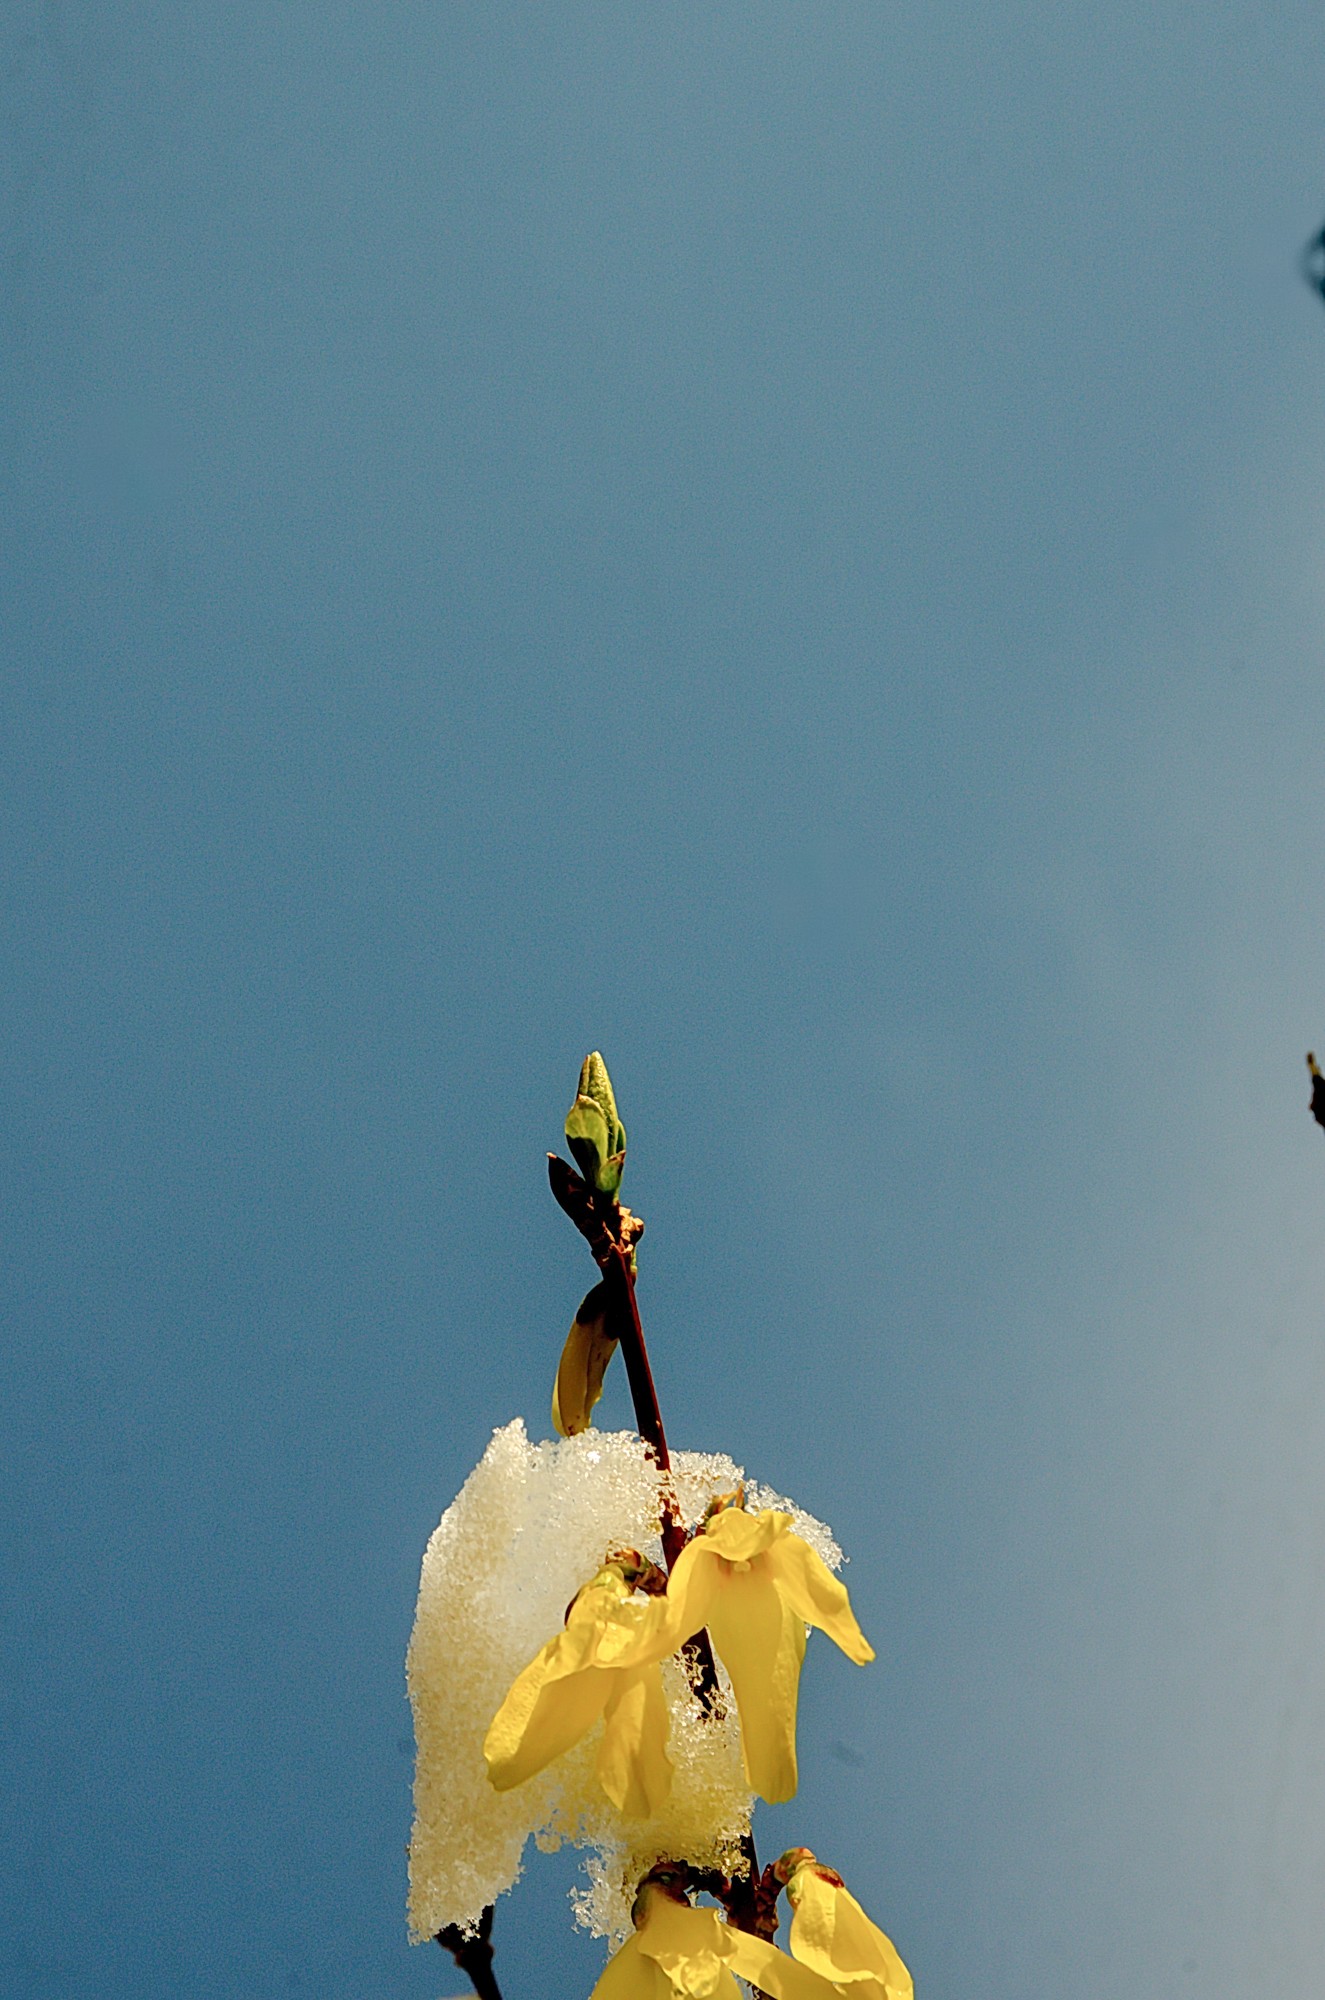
(589, 1347)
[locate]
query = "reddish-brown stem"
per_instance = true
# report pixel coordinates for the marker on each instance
(698, 1651)
(751, 1900)
(626, 1324)
(599, 1220)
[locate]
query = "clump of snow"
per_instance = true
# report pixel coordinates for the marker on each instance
(530, 1526)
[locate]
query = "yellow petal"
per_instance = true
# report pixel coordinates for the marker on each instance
(540, 1718)
(567, 1685)
(812, 1590)
(762, 1642)
(628, 1975)
(703, 1977)
(584, 1360)
(633, 1766)
(695, 1577)
(672, 1929)
(608, 1627)
(764, 1966)
(740, 1537)
(673, 1933)
(691, 1947)
(832, 1935)
(591, 1623)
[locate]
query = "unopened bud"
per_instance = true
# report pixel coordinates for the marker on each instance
(589, 1347)
(638, 1571)
(594, 1132)
(722, 1503)
(795, 1857)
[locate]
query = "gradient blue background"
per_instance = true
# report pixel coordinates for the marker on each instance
(786, 543)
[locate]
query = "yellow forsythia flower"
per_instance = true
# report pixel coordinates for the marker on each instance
(756, 1586)
(831, 1934)
(605, 1663)
(678, 1950)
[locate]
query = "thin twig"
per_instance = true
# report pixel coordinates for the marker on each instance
(697, 1652)
(610, 1233)
(472, 1952)
(751, 1899)
(644, 1395)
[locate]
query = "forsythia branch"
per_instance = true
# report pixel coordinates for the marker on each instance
(472, 1952)
(611, 1233)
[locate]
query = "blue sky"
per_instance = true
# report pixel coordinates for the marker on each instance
(786, 544)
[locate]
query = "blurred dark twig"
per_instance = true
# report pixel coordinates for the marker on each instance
(1317, 1090)
(472, 1952)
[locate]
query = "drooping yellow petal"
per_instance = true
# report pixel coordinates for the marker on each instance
(690, 1947)
(700, 1572)
(633, 1766)
(810, 1586)
(541, 1717)
(696, 1576)
(808, 1582)
(608, 1627)
(677, 1935)
(669, 1927)
(761, 1642)
(628, 1975)
(755, 1584)
(833, 1936)
(566, 1686)
(764, 1966)
(702, 1976)
(584, 1359)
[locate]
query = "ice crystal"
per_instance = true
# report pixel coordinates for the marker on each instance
(530, 1526)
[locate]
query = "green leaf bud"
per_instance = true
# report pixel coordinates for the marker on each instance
(594, 1132)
